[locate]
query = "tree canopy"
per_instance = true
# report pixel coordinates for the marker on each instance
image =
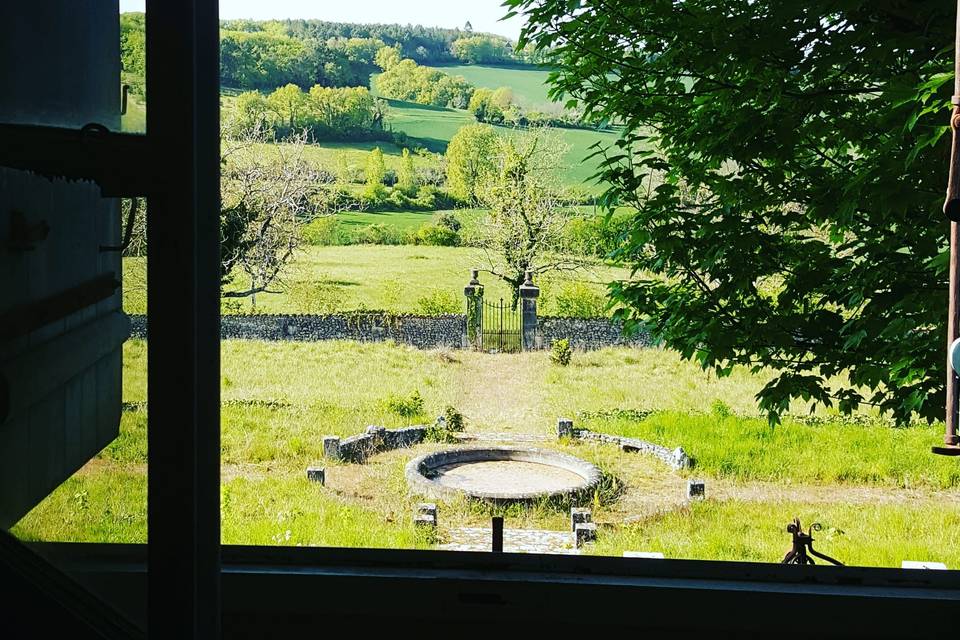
(785, 162)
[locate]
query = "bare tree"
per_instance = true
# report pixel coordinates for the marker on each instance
(528, 214)
(268, 193)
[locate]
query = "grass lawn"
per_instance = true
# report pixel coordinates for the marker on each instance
(279, 399)
(432, 127)
(374, 277)
(529, 85)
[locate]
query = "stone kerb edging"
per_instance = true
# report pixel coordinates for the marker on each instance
(677, 458)
(419, 470)
(374, 440)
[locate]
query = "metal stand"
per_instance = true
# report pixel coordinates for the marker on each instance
(803, 546)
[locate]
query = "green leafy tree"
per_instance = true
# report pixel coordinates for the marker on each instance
(387, 58)
(251, 111)
(785, 164)
(290, 105)
(406, 80)
(376, 168)
(524, 230)
(133, 51)
(407, 175)
(481, 49)
(470, 155)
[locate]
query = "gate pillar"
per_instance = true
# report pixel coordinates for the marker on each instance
(473, 292)
(529, 293)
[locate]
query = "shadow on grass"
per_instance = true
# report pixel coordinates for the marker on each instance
(401, 104)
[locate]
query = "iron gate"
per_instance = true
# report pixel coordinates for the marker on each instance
(500, 328)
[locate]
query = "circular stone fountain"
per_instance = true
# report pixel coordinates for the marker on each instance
(501, 474)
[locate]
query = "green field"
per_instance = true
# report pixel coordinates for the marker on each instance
(529, 85)
(432, 128)
(375, 277)
(279, 399)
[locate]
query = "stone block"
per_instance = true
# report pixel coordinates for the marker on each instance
(427, 508)
(696, 490)
(579, 515)
(317, 474)
(585, 532)
(564, 428)
(643, 554)
(922, 564)
(331, 447)
(425, 520)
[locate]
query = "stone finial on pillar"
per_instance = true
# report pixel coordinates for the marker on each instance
(529, 292)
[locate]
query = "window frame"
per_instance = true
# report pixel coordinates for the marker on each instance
(180, 566)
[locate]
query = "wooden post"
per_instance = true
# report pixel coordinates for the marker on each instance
(951, 207)
(496, 525)
(183, 295)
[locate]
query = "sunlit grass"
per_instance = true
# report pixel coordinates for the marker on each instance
(861, 534)
(371, 277)
(281, 398)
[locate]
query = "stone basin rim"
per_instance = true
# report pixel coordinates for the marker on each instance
(417, 469)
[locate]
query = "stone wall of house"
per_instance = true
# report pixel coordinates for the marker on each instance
(587, 333)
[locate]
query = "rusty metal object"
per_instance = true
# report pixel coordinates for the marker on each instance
(803, 545)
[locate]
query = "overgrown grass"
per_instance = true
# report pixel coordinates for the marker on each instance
(835, 452)
(863, 535)
(279, 399)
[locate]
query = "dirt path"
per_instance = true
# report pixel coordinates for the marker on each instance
(502, 393)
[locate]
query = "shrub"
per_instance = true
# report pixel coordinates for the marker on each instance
(448, 220)
(380, 233)
(720, 409)
(595, 236)
(453, 419)
(398, 199)
(374, 194)
(437, 236)
(438, 302)
(560, 352)
(426, 198)
(446, 426)
(322, 232)
(405, 406)
(578, 300)
(317, 297)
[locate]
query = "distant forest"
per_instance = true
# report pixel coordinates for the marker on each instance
(273, 53)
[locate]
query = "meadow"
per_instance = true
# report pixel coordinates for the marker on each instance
(529, 85)
(892, 501)
(397, 278)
